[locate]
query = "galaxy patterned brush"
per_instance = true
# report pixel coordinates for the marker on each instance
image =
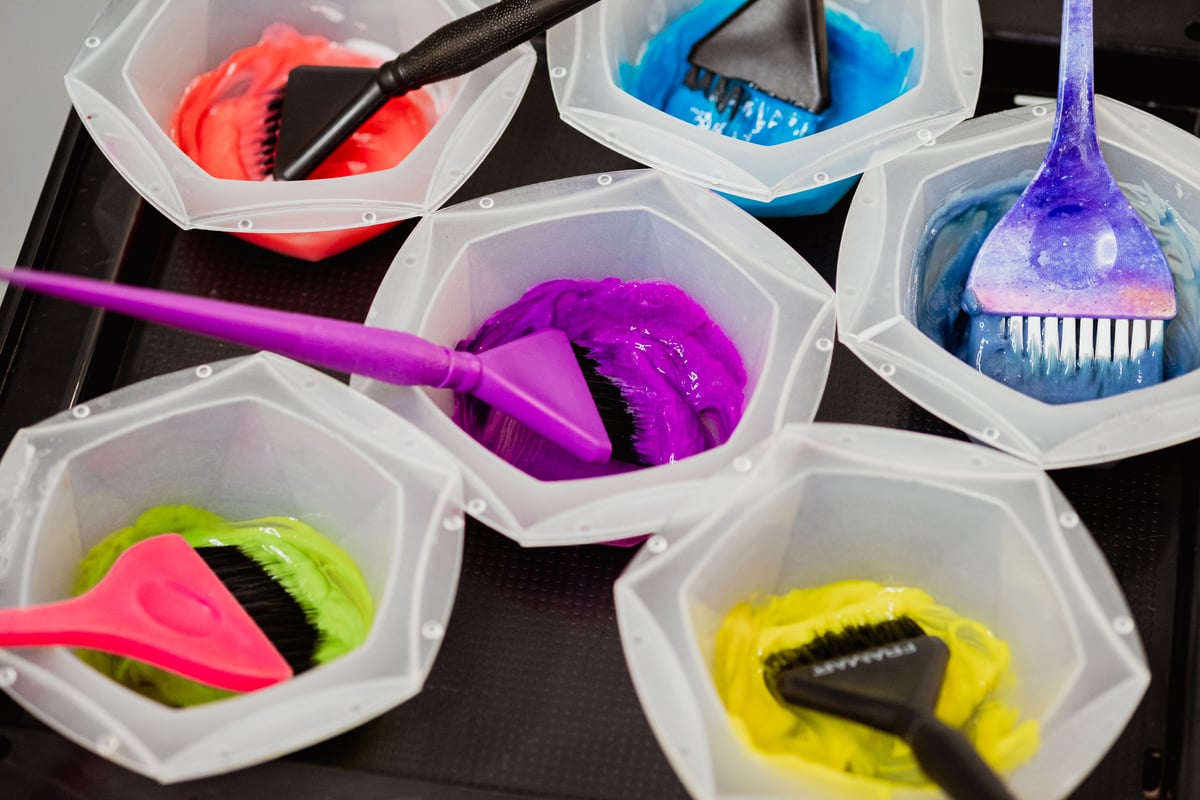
(1071, 282)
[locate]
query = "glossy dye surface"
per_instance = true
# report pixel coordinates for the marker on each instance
(221, 123)
(680, 375)
(943, 262)
(864, 74)
(799, 740)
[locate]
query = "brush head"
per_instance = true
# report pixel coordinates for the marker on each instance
(316, 110)
(881, 674)
(776, 46)
(619, 421)
(887, 676)
(269, 604)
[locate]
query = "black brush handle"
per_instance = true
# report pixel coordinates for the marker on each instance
(949, 759)
(471, 41)
(945, 755)
(452, 50)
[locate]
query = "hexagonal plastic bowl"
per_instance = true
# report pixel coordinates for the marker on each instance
(245, 438)
(461, 264)
(140, 54)
(587, 53)
(879, 290)
(986, 534)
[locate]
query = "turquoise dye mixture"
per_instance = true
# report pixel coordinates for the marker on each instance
(952, 239)
(864, 74)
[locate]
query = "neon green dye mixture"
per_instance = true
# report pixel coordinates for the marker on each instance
(798, 740)
(318, 573)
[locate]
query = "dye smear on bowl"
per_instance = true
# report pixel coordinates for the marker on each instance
(681, 376)
(323, 578)
(221, 121)
(951, 241)
(797, 739)
(864, 74)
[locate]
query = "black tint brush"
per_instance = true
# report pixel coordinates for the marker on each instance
(887, 676)
(321, 107)
(776, 46)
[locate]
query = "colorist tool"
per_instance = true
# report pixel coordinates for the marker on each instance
(323, 106)
(536, 380)
(888, 676)
(162, 603)
(1071, 281)
(666, 379)
(776, 46)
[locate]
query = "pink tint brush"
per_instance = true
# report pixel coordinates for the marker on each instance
(161, 604)
(536, 380)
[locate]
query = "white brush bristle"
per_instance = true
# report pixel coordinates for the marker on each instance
(1075, 341)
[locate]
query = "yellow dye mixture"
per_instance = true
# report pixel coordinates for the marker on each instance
(797, 739)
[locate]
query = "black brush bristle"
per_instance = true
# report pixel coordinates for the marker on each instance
(268, 144)
(848, 641)
(727, 95)
(270, 605)
(619, 422)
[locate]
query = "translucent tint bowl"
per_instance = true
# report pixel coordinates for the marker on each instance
(880, 297)
(986, 534)
(140, 54)
(461, 264)
(587, 53)
(244, 438)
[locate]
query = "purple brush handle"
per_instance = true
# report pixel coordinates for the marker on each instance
(1075, 119)
(379, 353)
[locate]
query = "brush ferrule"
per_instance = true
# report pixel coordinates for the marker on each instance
(393, 81)
(464, 372)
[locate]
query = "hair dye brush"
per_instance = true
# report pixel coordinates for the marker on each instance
(321, 107)
(775, 46)
(165, 604)
(887, 676)
(537, 380)
(1071, 282)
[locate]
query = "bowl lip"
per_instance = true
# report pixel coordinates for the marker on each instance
(952, 69)
(653, 586)
(134, 143)
(128, 723)
(777, 272)
(873, 324)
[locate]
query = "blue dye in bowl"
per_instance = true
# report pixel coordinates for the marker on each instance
(864, 74)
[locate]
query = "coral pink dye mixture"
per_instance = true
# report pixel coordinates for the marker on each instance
(220, 123)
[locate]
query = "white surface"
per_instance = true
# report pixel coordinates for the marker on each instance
(38, 40)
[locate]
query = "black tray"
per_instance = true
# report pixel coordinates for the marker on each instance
(529, 696)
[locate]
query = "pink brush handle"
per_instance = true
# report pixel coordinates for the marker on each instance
(160, 604)
(379, 353)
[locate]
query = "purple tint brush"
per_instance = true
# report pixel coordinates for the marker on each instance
(1072, 279)
(536, 380)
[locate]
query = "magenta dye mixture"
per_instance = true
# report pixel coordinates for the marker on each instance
(680, 375)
